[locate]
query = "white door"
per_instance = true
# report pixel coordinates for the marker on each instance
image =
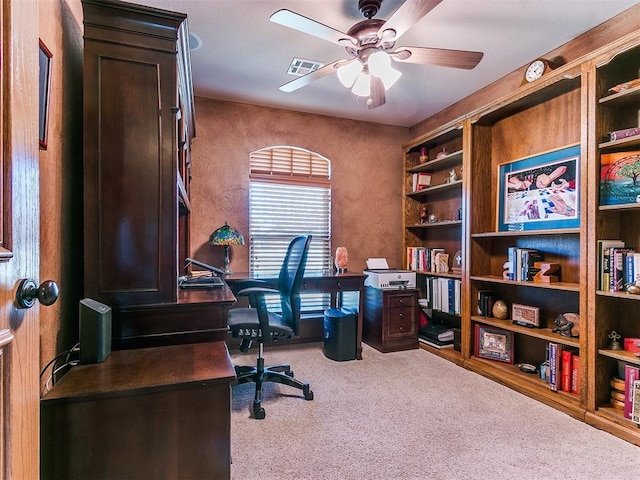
(19, 237)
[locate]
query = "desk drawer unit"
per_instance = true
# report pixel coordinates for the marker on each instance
(391, 319)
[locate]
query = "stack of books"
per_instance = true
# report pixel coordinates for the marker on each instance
(437, 335)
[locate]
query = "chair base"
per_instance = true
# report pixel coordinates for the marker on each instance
(261, 374)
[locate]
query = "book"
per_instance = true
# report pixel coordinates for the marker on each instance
(432, 259)
(635, 403)
(631, 374)
(555, 365)
(603, 263)
(565, 370)
(485, 303)
(529, 258)
(628, 267)
(437, 331)
(435, 343)
(617, 264)
(575, 374)
(623, 133)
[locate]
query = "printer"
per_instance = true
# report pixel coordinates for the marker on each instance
(379, 275)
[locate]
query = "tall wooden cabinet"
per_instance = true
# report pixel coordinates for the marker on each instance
(569, 110)
(138, 126)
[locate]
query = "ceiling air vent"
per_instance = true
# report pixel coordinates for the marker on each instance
(300, 66)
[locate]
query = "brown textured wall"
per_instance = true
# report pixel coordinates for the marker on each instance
(60, 28)
(366, 162)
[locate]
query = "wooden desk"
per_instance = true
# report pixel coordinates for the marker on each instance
(161, 412)
(198, 315)
(317, 282)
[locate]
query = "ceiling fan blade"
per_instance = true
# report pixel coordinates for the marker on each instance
(377, 97)
(405, 17)
(328, 69)
(306, 25)
(438, 56)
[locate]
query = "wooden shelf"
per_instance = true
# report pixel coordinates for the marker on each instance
(525, 233)
(571, 287)
(623, 355)
(542, 333)
(621, 99)
(447, 353)
(444, 223)
(436, 189)
(439, 274)
(622, 295)
(446, 161)
(622, 144)
(627, 206)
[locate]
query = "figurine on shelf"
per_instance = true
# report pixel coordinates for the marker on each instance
(424, 216)
(423, 155)
(452, 175)
(615, 341)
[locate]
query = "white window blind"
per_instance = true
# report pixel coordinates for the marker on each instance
(290, 195)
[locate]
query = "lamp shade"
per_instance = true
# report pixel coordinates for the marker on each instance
(226, 235)
(348, 73)
(380, 66)
(362, 87)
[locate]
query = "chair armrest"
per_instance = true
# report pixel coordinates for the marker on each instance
(238, 285)
(256, 298)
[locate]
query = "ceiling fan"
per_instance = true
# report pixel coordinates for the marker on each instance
(370, 45)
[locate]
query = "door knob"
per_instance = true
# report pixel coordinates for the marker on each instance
(28, 292)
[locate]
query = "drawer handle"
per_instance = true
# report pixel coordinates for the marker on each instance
(339, 285)
(401, 301)
(401, 328)
(402, 315)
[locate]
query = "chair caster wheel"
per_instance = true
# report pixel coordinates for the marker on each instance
(258, 411)
(308, 394)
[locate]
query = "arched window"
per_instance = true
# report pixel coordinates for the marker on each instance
(290, 194)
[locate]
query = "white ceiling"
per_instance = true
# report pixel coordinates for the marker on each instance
(244, 57)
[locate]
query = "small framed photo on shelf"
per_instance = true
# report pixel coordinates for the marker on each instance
(494, 344)
(619, 183)
(540, 192)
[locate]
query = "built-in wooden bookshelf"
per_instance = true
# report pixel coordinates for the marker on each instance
(616, 216)
(439, 154)
(569, 109)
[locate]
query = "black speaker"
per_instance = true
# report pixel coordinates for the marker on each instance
(95, 331)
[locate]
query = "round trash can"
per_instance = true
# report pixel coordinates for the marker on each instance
(339, 334)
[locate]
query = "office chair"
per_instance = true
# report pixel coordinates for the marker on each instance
(257, 324)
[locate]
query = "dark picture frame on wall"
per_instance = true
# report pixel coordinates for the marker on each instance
(540, 192)
(44, 90)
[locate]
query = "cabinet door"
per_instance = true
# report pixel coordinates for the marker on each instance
(130, 174)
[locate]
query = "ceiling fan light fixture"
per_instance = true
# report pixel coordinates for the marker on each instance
(362, 87)
(380, 66)
(348, 73)
(390, 77)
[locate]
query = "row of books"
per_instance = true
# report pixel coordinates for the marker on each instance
(420, 180)
(563, 368)
(427, 259)
(443, 294)
(618, 265)
(520, 263)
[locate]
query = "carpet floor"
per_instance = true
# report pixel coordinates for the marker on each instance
(410, 415)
